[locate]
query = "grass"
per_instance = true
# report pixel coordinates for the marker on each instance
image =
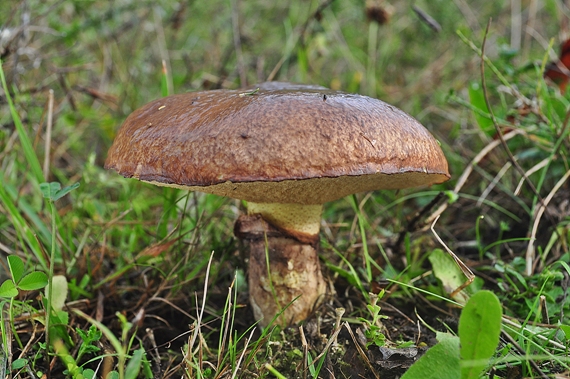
(156, 279)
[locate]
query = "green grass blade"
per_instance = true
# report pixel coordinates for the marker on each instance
(30, 213)
(362, 228)
(22, 226)
(27, 146)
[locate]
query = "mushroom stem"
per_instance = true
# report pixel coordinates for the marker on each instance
(284, 271)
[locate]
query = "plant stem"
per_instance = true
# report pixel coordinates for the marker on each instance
(51, 268)
(362, 228)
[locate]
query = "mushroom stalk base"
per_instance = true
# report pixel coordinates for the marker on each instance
(292, 285)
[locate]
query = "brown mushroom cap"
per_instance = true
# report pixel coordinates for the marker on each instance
(285, 143)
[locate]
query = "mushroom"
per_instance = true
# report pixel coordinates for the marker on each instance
(286, 149)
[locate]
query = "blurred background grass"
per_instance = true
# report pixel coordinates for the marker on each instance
(141, 246)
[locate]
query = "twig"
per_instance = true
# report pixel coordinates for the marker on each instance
(305, 351)
(430, 21)
(332, 339)
(339, 312)
(159, 299)
(512, 159)
(492, 114)
(524, 353)
(360, 351)
(417, 217)
(154, 350)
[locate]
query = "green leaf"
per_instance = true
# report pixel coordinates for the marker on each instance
(448, 272)
(451, 196)
(59, 287)
(53, 190)
(49, 189)
(16, 267)
(8, 289)
(480, 112)
(134, 365)
(88, 338)
(439, 362)
(67, 359)
(64, 191)
(147, 369)
(58, 326)
(33, 281)
(63, 317)
(566, 330)
(479, 329)
(19, 363)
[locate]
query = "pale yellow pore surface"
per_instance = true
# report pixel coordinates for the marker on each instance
(297, 218)
(313, 190)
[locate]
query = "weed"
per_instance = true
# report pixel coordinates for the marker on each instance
(373, 328)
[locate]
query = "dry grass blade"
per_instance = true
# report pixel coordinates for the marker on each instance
(464, 268)
(530, 253)
(174, 306)
(360, 351)
(197, 325)
(227, 324)
(154, 350)
(493, 183)
(517, 326)
(7, 350)
(499, 132)
(330, 342)
(238, 363)
(469, 169)
(533, 169)
(305, 350)
(522, 351)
